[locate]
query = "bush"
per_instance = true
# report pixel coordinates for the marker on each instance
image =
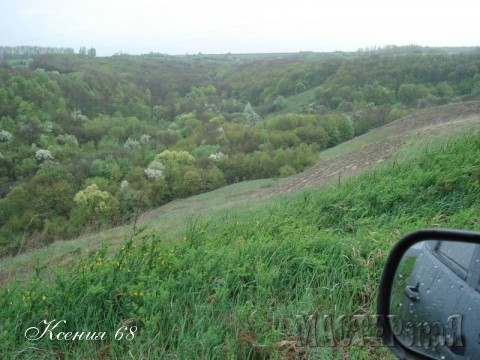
(286, 171)
(43, 155)
(95, 206)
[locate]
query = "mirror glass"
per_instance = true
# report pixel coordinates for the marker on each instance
(435, 299)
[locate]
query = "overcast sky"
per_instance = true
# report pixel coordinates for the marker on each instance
(248, 26)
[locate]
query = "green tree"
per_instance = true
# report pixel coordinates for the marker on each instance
(312, 135)
(286, 171)
(410, 94)
(191, 183)
(173, 157)
(212, 178)
(158, 192)
(96, 206)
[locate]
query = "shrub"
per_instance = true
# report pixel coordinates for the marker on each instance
(95, 205)
(286, 171)
(5, 136)
(43, 155)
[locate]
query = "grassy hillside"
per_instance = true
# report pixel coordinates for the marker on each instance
(169, 220)
(297, 103)
(232, 287)
(86, 143)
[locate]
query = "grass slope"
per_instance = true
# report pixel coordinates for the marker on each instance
(297, 102)
(235, 284)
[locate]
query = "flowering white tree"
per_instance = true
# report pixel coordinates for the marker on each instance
(77, 115)
(153, 174)
(154, 170)
(251, 117)
(124, 185)
(131, 144)
(145, 139)
(42, 155)
(156, 165)
(5, 136)
(217, 156)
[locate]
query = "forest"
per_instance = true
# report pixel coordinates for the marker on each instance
(87, 142)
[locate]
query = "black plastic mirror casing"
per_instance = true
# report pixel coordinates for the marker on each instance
(388, 275)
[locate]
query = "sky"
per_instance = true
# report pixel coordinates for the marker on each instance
(178, 27)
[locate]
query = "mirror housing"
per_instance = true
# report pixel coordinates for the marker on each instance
(385, 290)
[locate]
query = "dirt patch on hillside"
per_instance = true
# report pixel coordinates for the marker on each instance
(425, 123)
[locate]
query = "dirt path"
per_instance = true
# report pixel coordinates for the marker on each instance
(425, 123)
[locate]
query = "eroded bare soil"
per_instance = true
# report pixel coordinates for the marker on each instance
(422, 124)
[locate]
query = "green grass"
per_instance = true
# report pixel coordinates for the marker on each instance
(232, 285)
(296, 103)
(417, 142)
(357, 143)
(169, 221)
(18, 63)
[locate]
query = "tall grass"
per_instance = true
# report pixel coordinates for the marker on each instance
(233, 286)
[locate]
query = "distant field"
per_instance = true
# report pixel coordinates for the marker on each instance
(19, 63)
(296, 102)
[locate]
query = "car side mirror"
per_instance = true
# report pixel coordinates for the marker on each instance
(428, 301)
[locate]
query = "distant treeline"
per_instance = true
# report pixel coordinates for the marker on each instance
(25, 52)
(417, 49)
